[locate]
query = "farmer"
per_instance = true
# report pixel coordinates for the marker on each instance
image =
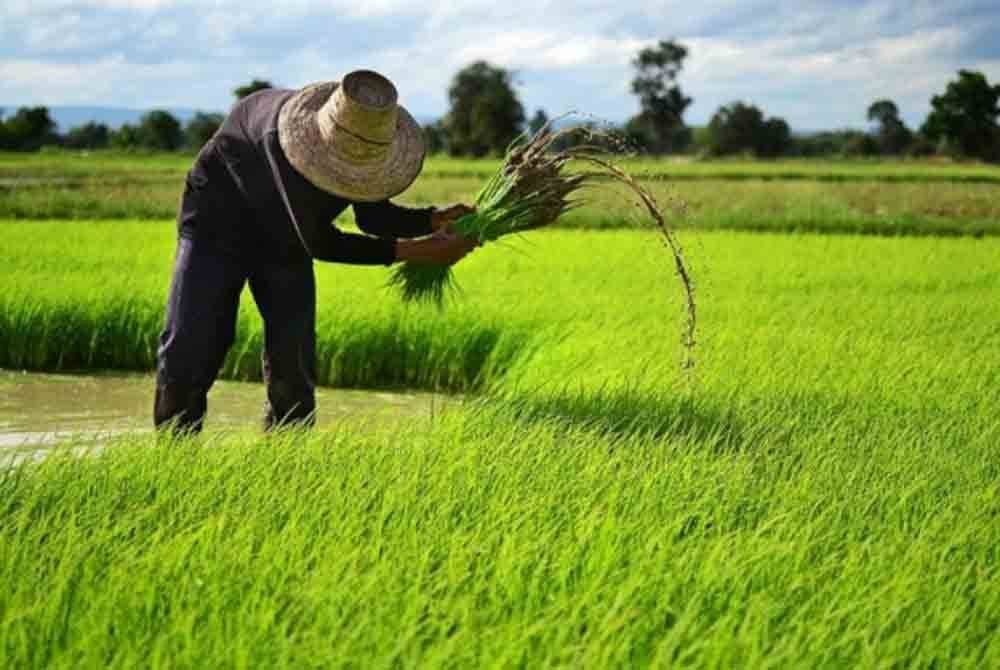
(257, 209)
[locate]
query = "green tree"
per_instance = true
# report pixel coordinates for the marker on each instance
(775, 138)
(29, 129)
(88, 136)
(159, 130)
(200, 129)
(3, 132)
(126, 137)
(538, 121)
(742, 128)
(247, 89)
(860, 145)
(659, 126)
(921, 147)
(965, 116)
(485, 114)
(892, 135)
(734, 128)
(435, 138)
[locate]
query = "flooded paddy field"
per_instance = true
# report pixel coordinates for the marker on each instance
(38, 410)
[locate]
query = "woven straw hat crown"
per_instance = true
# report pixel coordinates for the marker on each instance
(352, 138)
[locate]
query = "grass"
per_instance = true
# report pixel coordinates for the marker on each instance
(822, 493)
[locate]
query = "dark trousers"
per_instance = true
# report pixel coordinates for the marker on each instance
(201, 326)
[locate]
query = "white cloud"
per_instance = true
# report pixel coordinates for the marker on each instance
(547, 49)
(816, 62)
(98, 82)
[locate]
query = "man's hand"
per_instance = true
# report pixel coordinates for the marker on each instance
(439, 249)
(441, 219)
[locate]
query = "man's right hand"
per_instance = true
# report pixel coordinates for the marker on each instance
(438, 249)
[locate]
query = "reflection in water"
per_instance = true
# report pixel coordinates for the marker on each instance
(42, 408)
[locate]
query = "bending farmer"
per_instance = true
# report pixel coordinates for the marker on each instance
(257, 209)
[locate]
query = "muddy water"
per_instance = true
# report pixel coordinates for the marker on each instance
(40, 409)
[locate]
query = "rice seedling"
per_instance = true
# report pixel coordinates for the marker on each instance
(826, 497)
(531, 190)
(528, 191)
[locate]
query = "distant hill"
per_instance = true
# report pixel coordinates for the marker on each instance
(67, 117)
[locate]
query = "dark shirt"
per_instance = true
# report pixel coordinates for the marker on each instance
(244, 196)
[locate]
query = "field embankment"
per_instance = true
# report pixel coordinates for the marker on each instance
(860, 198)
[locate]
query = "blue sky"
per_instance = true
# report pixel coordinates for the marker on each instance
(817, 63)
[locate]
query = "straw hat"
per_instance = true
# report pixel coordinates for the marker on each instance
(351, 138)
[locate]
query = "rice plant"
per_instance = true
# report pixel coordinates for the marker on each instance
(827, 495)
(528, 191)
(532, 190)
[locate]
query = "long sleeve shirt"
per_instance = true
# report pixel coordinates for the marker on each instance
(244, 196)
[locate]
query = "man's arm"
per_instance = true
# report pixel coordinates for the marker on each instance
(386, 219)
(324, 241)
(328, 243)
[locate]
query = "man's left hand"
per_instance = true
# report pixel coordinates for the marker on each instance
(441, 219)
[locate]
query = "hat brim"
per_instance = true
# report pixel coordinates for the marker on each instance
(310, 154)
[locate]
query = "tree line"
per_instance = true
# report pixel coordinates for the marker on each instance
(31, 128)
(485, 115)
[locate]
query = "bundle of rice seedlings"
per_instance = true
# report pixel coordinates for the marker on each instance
(531, 190)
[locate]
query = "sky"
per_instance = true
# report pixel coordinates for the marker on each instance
(816, 63)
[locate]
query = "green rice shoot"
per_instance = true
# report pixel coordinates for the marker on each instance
(531, 190)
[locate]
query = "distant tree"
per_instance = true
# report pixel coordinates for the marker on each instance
(965, 116)
(88, 136)
(860, 145)
(659, 126)
(824, 143)
(248, 89)
(126, 137)
(200, 129)
(485, 114)
(921, 147)
(892, 134)
(734, 129)
(589, 134)
(741, 128)
(538, 121)
(29, 129)
(699, 139)
(775, 138)
(159, 130)
(435, 138)
(3, 132)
